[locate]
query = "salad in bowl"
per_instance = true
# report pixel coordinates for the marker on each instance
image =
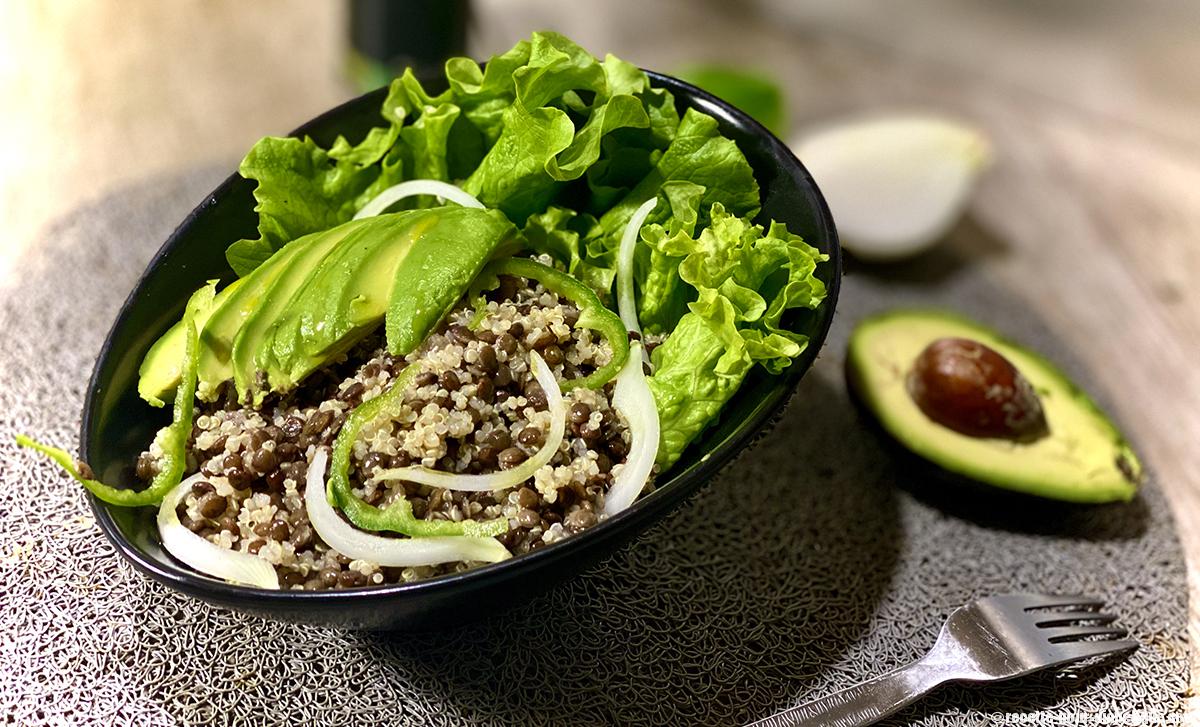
(486, 324)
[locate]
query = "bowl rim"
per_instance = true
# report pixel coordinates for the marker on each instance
(644, 508)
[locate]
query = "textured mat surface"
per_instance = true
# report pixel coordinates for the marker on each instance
(814, 561)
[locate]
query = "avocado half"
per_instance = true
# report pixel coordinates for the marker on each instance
(1083, 458)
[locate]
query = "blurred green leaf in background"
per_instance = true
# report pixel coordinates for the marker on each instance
(751, 91)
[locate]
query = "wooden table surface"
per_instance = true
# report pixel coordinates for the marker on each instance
(1091, 213)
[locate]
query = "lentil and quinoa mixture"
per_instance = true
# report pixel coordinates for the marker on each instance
(475, 407)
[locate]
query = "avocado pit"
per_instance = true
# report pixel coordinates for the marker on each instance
(974, 390)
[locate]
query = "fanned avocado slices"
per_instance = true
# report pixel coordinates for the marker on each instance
(240, 301)
(1080, 457)
(319, 295)
(411, 266)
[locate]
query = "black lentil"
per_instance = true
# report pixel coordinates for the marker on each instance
(263, 460)
(510, 458)
(531, 436)
(553, 355)
(535, 396)
(211, 505)
(580, 413)
(352, 392)
(486, 391)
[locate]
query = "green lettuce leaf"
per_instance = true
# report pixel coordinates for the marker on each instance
(690, 384)
(512, 176)
(556, 232)
(427, 142)
(301, 189)
(762, 275)
(549, 135)
(370, 150)
(742, 281)
(484, 95)
(698, 154)
(663, 294)
(619, 112)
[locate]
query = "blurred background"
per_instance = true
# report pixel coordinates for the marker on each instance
(100, 93)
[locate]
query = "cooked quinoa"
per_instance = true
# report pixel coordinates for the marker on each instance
(474, 407)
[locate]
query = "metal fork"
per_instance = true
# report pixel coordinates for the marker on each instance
(991, 639)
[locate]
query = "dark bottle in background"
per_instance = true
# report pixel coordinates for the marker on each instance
(388, 35)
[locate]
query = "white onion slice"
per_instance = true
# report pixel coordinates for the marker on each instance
(626, 306)
(633, 398)
(206, 557)
(390, 552)
(502, 479)
(895, 183)
(412, 188)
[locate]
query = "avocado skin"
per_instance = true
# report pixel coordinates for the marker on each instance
(954, 458)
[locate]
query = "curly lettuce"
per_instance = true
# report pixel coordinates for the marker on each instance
(739, 282)
(568, 146)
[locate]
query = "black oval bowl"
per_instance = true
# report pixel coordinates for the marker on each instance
(117, 424)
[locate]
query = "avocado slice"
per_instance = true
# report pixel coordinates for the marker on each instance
(411, 266)
(425, 288)
(245, 298)
(303, 256)
(1083, 457)
(160, 371)
(319, 295)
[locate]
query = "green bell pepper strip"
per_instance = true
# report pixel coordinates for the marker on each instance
(592, 313)
(174, 438)
(397, 517)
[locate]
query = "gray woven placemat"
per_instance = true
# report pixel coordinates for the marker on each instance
(813, 562)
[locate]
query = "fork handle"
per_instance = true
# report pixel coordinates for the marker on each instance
(865, 703)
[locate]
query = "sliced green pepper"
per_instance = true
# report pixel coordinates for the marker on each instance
(592, 313)
(174, 438)
(397, 517)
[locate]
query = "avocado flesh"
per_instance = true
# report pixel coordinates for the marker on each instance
(160, 371)
(340, 301)
(230, 315)
(411, 266)
(251, 340)
(1084, 458)
(425, 288)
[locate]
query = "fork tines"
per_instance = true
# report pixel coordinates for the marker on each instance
(1072, 624)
